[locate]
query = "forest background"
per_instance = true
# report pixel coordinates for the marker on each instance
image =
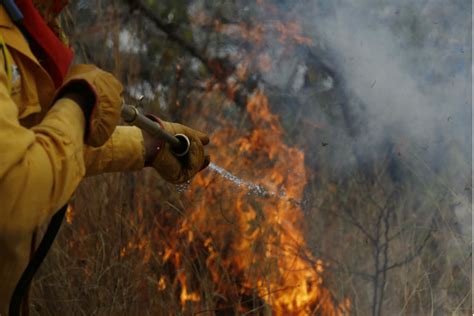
(348, 125)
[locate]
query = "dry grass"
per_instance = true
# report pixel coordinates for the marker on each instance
(110, 259)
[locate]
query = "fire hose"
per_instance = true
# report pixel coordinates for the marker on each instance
(179, 145)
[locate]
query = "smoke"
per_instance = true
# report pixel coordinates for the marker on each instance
(404, 68)
(372, 69)
(408, 65)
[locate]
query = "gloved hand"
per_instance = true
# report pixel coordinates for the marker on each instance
(179, 169)
(101, 95)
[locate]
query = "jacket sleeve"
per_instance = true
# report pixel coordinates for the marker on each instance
(124, 151)
(39, 167)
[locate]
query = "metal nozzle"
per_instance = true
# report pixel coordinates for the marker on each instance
(183, 149)
(179, 143)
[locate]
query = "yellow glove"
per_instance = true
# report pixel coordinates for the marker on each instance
(102, 93)
(180, 169)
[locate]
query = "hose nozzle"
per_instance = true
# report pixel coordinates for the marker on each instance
(179, 143)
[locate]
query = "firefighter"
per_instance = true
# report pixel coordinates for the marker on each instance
(57, 125)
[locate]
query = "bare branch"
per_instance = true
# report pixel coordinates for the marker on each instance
(411, 257)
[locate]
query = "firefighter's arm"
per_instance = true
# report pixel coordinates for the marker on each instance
(124, 151)
(39, 167)
(130, 149)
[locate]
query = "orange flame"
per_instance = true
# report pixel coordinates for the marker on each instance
(258, 239)
(250, 245)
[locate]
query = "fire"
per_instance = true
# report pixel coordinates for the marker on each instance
(248, 243)
(69, 213)
(258, 239)
(233, 250)
(258, 34)
(291, 32)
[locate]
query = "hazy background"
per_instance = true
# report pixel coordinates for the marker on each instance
(376, 94)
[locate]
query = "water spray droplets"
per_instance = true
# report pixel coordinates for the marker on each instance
(253, 189)
(181, 188)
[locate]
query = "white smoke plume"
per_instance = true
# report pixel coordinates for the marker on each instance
(408, 63)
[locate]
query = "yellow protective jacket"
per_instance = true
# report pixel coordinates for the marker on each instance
(42, 155)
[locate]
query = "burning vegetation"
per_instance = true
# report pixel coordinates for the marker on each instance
(239, 248)
(268, 229)
(250, 239)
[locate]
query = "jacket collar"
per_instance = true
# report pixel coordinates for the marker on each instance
(13, 36)
(5, 20)
(16, 41)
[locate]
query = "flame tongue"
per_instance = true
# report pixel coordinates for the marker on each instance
(255, 247)
(232, 251)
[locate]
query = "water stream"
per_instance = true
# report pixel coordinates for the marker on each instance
(253, 189)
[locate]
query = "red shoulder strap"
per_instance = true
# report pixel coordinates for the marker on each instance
(53, 54)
